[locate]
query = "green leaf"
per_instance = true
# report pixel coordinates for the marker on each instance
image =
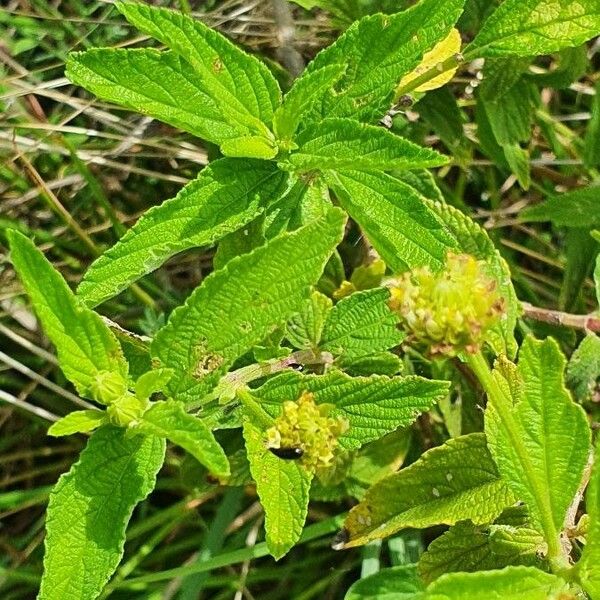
(169, 420)
(584, 367)
(283, 488)
(89, 510)
(472, 239)
(403, 230)
(86, 346)
(225, 197)
(456, 481)
(581, 250)
(579, 208)
(238, 306)
(589, 573)
(251, 146)
(518, 161)
(304, 329)
(174, 94)
(360, 325)
(552, 431)
(79, 421)
(532, 27)
(373, 405)
(345, 144)
(151, 382)
(395, 583)
(239, 84)
(377, 52)
(511, 583)
(469, 547)
(301, 98)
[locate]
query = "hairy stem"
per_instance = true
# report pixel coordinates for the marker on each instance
(562, 319)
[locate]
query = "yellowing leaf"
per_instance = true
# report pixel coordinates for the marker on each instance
(442, 51)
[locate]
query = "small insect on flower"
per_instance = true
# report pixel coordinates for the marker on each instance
(306, 431)
(287, 453)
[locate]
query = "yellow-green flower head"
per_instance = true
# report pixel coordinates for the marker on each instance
(449, 312)
(308, 426)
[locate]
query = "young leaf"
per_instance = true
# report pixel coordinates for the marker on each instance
(543, 460)
(303, 94)
(238, 306)
(395, 583)
(151, 382)
(345, 144)
(89, 510)
(378, 51)
(472, 239)
(456, 481)
(511, 583)
(579, 208)
(373, 406)
(283, 488)
(86, 346)
(531, 27)
(589, 573)
(251, 146)
(226, 196)
(304, 329)
(360, 325)
(174, 94)
(403, 230)
(584, 367)
(469, 547)
(238, 83)
(170, 421)
(79, 421)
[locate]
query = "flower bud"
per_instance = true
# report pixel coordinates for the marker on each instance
(126, 410)
(449, 312)
(307, 426)
(107, 387)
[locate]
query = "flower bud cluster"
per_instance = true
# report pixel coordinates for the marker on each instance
(309, 427)
(448, 312)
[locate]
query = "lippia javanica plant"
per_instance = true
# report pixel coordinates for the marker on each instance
(296, 168)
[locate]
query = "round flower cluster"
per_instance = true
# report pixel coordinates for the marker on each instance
(308, 428)
(449, 312)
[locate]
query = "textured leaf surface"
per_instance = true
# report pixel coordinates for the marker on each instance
(584, 367)
(373, 405)
(553, 431)
(360, 325)
(345, 144)
(238, 83)
(85, 345)
(225, 197)
(238, 306)
(468, 547)
(579, 208)
(304, 330)
(396, 583)
(306, 90)
(378, 51)
(472, 239)
(450, 483)
(589, 566)
(79, 421)
(283, 488)
(403, 230)
(89, 510)
(159, 84)
(511, 583)
(530, 27)
(169, 420)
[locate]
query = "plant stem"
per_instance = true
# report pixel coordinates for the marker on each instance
(503, 405)
(562, 319)
(252, 406)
